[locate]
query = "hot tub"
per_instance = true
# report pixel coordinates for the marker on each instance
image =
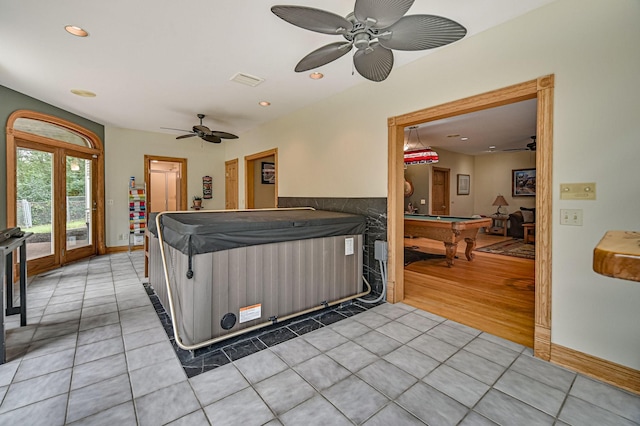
(223, 273)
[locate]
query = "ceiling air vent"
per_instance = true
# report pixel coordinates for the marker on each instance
(249, 80)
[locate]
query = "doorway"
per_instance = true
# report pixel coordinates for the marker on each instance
(261, 179)
(165, 178)
(541, 89)
(54, 189)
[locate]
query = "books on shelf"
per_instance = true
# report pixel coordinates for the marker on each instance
(137, 215)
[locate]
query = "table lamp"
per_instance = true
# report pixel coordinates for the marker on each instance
(500, 201)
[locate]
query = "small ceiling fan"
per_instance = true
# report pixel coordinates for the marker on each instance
(531, 146)
(375, 27)
(204, 132)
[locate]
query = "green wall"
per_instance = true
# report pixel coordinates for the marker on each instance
(10, 101)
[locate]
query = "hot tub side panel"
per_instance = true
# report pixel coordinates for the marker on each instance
(282, 278)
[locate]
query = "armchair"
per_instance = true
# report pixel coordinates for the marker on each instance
(517, 218)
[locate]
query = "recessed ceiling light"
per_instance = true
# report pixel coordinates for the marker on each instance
(492, 147)
(264, 103)
(76, 31)
(316, 75)
(83, 93)
(464, 139)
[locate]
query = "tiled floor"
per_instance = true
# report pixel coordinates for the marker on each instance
(94, 352)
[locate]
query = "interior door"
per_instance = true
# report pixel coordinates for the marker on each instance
(440, 192)
(231, 184)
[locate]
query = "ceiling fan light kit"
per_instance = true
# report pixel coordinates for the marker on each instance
(375, 28)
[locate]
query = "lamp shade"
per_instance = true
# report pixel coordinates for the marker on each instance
(420, 156)
(500, 201)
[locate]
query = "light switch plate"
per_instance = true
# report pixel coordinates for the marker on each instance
(571, 217)
(578, 191)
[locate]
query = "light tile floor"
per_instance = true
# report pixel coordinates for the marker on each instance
(94, 352)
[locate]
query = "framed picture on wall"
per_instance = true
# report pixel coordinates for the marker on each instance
(523, 182)
(464, 184)
(268, 173)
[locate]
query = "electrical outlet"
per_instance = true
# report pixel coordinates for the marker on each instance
(109, 202)
(571, 217)
(423, 202)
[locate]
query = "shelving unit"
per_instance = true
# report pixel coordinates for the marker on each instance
(137, 216)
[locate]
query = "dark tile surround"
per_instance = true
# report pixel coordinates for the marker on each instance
(204, 359)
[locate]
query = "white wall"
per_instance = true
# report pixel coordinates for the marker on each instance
(338, 147)
(124, 157)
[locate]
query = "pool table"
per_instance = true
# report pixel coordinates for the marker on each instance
(448, 229)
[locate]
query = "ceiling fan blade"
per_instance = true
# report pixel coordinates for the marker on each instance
(419, 32)
(384, 12)
(171, 128)
(223, 135)
(212, 138)
(374, 64)
(201, 129)
(312, 19)
(190, 135)
(323, 56)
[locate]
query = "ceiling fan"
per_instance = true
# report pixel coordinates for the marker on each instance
(375, 27)
(204, 132)
(531, 146)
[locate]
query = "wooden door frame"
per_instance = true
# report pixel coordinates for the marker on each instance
(226, 179)
(183, 177)
(95, 149)
(249, 175)
(541, 89)
(447, 194)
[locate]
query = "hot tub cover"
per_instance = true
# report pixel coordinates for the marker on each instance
(206, 232)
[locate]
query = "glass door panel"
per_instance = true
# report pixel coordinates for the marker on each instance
(35, 200)
(79, 203)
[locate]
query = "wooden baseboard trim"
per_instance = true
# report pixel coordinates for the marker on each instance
(121, 249)
(542, 342)
(607, 371)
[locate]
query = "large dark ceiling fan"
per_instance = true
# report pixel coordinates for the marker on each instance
(204, 132)
(375, 27)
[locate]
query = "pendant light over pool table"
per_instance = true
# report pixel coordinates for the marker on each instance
(419, 154)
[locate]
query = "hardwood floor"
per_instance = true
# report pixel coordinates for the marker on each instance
(493, 293)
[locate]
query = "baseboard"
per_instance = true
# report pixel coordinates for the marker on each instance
(542, 342)
(121, 249)
(607, 371)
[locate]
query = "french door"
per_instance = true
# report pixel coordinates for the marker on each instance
(55, 200)
(55, 176)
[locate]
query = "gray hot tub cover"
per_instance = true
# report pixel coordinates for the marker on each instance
(206, 232)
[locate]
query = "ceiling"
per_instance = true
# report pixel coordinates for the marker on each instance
(507, 128)
(158, 63)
